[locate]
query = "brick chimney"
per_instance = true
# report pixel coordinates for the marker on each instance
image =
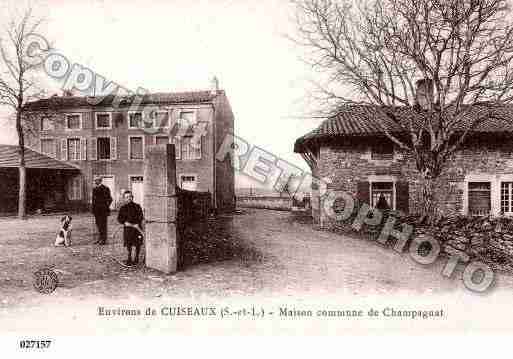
(425, 92)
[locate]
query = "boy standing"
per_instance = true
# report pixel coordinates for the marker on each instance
(131, 217)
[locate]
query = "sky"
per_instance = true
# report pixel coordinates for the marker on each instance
(178, 45)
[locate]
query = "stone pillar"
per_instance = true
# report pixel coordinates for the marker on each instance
(160, 205)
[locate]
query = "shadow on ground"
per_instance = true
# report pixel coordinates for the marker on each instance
(213, 241)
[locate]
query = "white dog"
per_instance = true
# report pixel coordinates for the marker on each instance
(64, 235)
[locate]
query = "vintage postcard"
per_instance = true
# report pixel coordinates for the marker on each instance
(236, 167)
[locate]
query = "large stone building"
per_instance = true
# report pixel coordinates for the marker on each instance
(108, 136)
(352, 154)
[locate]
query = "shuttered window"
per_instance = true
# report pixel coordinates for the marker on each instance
(479, 198)
(74, 149)
(136, 148)
(103, 121)
(103, 148)
(135, 120)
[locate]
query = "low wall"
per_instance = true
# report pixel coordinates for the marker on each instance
(265, 202)
(193, 206)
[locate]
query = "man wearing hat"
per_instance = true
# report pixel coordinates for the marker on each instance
(101, 208)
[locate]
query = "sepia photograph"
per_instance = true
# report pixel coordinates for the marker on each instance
(254, 168)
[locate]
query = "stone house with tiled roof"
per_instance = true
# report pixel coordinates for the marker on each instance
(108, 136)
(351, 152)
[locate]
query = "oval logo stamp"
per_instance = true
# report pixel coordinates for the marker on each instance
(45, 281)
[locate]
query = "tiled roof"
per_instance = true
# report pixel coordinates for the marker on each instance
(61, 102)
(9, 157)
(365, 120)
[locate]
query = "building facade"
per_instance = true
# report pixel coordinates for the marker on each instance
(108, 137)
(350, 153)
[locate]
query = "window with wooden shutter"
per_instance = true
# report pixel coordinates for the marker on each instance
(73, 146)
(136, 147)
(402, 196)
(92, 149)
(479, 198)
(103, 151)
(363, 192)
(113, 148)
(64, 149)
(83, 149)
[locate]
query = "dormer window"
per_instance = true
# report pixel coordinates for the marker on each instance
(382, 150)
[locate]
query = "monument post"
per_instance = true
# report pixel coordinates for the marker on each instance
(160, 204)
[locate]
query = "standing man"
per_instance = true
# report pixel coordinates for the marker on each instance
(101, 208)
(131, 217)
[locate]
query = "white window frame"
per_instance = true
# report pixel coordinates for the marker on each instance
(492, 185)
(130, 148)
(98, 152)
(195, 175)
(41, 139)
(79, 148)
(73, 114)
(128, 120)
(96, 121)
(510, 193)
(495, 190)
(384, 178)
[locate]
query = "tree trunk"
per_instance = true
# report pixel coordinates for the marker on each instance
(22, 194)
(22, 191)
(429, 203)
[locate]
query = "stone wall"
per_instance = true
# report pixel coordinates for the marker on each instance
(278, 203)
(345, 164)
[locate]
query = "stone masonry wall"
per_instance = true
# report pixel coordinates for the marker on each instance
(344, 165)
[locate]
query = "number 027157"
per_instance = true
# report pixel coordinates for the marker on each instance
(35, 344)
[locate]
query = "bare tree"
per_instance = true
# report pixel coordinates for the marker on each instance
(461, 51)
(18, 85)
